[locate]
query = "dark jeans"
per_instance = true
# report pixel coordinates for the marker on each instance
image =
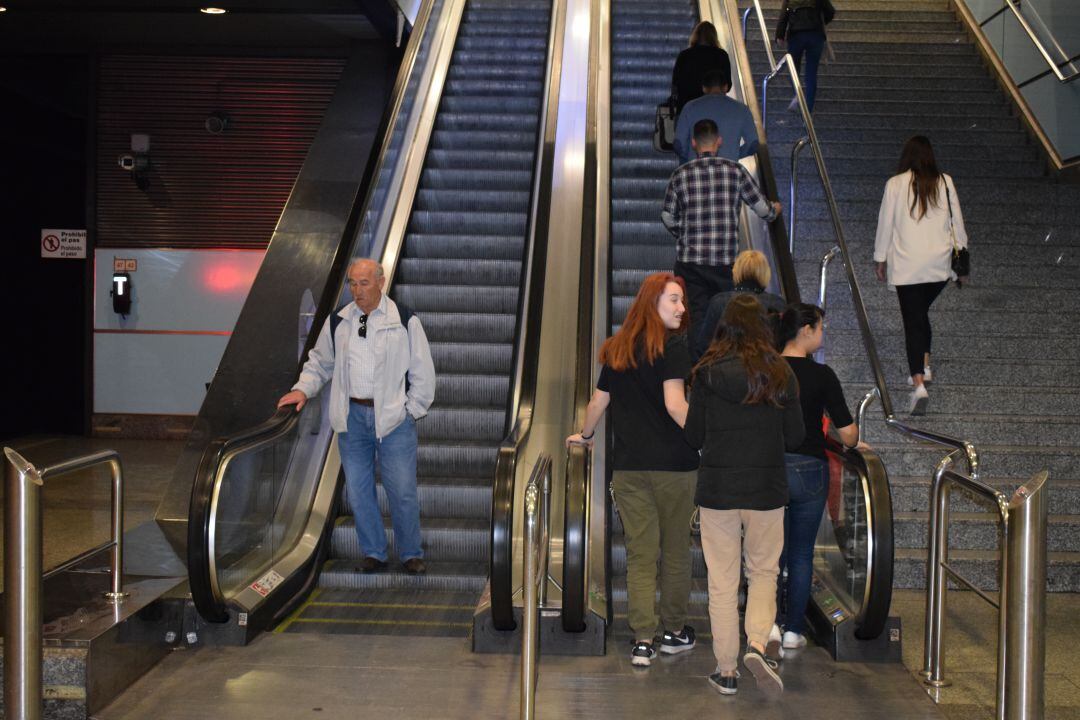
(812, 43)
(702, 282)
(915, 302)
(808, 488)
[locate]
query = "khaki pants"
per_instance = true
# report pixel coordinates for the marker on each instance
(655, 508)
(761, 541)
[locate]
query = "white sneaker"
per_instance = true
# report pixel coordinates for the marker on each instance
(920, 398)
(793, 106)
(794, 641)
(927, 377)
(774, 649)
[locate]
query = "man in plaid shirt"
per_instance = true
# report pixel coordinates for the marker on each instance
(701, 210)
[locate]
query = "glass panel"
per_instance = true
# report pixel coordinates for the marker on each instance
(1057, 105)
(1057, 24)
(841, 555)
(266, 496)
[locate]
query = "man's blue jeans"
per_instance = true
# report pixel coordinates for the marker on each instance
(812, 43)
(396, 455)
(808, 488)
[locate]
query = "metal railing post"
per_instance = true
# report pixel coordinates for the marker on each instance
(936, 587)
(793, 189)
(1024, 604)
(22, 589)
(529, 635)
(868, 398)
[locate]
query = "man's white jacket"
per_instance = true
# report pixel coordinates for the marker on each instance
(397, 351)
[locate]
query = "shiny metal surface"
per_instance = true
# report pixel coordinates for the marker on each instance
(536, 523)
(793, 190)
(991, 55)
(510, 472)
(1039, 46)
(1021, 595)
(864, 404)
(1025, 592)
(22, 589)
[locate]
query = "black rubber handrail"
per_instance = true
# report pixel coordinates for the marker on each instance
(205, 594)
(211, 605)
(527, 349)
(872, 611)
(575, 519)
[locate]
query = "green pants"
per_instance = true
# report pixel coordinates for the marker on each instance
(655, 508)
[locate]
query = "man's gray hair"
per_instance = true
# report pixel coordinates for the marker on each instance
(379, 272)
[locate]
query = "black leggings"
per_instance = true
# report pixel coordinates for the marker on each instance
(915, 302)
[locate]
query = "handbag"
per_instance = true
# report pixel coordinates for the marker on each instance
(961, 258)
(663, 139)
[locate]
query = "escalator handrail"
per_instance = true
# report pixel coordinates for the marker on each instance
(203, 581)
(575, 538)
(526, 348)
(786, 63)
(873, 610)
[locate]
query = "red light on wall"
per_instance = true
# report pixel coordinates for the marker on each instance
(223, 278)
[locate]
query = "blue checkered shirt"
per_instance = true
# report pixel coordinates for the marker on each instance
(701, 209)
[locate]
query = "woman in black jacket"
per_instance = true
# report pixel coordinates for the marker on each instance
(802, 26)
(744, 414)
(703, 54)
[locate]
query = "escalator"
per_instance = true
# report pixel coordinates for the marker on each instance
(451, 215)
(853, 558)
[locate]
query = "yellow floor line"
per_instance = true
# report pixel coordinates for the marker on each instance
(350, 621)
(392, 606)
(284, 625)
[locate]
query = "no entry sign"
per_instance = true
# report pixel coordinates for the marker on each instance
(63, 244)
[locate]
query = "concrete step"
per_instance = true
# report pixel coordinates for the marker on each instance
(981, 567)
(979, 531)
(904, 457)
(986, 428)
(912, 495)
(970, 373)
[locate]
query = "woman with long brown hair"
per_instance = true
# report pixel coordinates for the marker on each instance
(702, 55)
(744, 414)
(643, 376)
(919, 223)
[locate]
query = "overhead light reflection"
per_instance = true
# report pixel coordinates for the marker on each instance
(213, 10)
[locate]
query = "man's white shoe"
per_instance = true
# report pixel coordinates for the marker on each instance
(794, 641)
(920, 398)
(774, 650)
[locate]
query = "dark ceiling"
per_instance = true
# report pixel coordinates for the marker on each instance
(264, 26)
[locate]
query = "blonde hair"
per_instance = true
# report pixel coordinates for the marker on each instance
(704, 34)
(752, 265)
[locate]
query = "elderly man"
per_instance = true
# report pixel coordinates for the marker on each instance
(382, 380)
(701, 209)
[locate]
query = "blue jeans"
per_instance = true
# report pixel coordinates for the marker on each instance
(811, 42)
(397, 468)
(808, 488)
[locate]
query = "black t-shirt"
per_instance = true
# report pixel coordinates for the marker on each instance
(819, 392)
(646, 438)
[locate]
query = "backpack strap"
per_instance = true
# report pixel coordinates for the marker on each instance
(404, 311)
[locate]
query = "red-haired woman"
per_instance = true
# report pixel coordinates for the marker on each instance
(744, 414)
(645, 365)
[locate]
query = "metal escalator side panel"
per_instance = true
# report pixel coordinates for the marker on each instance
(261, 569)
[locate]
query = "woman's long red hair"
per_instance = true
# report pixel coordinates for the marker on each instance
(642, 331)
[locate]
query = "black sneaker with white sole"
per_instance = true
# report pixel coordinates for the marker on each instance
(725, 684)
(764, 671)
(675, 643)
(642, 655)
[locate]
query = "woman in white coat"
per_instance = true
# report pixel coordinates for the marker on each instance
(918, 225)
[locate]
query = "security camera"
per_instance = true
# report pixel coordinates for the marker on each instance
(127, 162)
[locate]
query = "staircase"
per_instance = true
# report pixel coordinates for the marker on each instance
(1006, 365)
(460, 273)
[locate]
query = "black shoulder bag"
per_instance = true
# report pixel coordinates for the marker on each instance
(961, 258)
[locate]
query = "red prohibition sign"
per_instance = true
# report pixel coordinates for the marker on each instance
(51, 243)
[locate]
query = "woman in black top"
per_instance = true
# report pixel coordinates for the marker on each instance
(703, 54)
(802, 26)
(643, 377)
(744, 413)
(801, 329)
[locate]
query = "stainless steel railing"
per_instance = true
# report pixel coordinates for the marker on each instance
(1039, 46)
(1021, 601)
(22, 570)
(787, 63)
(537, 512)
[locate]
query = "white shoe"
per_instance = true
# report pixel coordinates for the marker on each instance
(794, 641)
(774, 649)
(927, 377)
(920, 398)
(793, 106)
